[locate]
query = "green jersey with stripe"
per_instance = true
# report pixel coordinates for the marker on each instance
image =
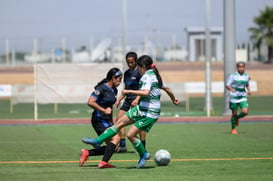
(150, 105)
(239, 83)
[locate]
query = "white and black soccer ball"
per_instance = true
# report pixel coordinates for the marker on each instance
(162, 157)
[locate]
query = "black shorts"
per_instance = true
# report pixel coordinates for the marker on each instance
(100, 125)
(126, 105)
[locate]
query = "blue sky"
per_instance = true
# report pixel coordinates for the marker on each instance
(78, 20)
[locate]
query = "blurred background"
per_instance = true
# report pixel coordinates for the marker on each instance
(67, 46)
(88, 31)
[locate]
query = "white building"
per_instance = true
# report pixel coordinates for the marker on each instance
(196, 45)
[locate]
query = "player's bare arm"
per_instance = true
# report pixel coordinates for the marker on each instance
(119, 100)
(171, 95)
(144, 92)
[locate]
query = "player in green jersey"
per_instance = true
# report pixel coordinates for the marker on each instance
(238, 85)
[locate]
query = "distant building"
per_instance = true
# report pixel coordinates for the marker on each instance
(196, 43)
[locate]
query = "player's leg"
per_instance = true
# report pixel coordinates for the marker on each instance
(85, 153)
(143, 123)
(139, 147)
(244, 109)
(142, 135)
(233, 107)
(109, 151)
(233, 122)
(122, 144)
(133, 131)
(99, 127)
(110, 132)
(122, 133)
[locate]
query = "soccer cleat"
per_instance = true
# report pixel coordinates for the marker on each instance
(233, 131)
(91, 141)
(104, 164)
(84, 156)
(121, 149)
(142, 161)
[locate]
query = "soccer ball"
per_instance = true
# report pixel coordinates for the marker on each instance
(162, 157)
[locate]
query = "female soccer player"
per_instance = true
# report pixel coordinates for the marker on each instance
(131, 81)
(145, 114)
(237, 84)
(102, 100)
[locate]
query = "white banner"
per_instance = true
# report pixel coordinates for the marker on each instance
(5, 90)
(69, 83)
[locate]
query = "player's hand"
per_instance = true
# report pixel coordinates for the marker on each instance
(116, 104)
(176, 101)
(249, 93)
(108, 110)
(134, 103)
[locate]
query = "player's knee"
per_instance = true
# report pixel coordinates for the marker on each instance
(131, 137)
(234, 114)
(245, 112)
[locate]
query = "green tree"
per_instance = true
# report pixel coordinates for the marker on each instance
(263, 32)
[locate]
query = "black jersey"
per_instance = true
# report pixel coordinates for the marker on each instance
(105, 97)
(131, 81)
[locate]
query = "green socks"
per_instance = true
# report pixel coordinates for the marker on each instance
(110, 132)
(241, 115)
(139, 147)
(233, 121)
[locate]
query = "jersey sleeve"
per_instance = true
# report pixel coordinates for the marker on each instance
(97, 92)
(145, 83)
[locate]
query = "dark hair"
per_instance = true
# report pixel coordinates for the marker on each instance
(147, 62)
(131, 54)
(112, 72)
(240, 62)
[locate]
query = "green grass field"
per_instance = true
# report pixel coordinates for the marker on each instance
(204, 151)
(258, 105)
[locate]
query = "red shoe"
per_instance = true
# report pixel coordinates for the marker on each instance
(233, 131)
(84, 156)
(237, 122)
(104, 164)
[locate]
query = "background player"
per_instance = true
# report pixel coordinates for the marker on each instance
(131, 81)
(238, 84)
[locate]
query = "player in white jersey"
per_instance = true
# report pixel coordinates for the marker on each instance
(238, 85)
(142, 116)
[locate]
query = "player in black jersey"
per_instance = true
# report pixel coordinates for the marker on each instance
(102, 100)
(131, 82)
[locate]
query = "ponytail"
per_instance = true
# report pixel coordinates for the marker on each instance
(158, 76)
(101, 82)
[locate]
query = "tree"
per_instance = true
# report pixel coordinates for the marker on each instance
(263, 32)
